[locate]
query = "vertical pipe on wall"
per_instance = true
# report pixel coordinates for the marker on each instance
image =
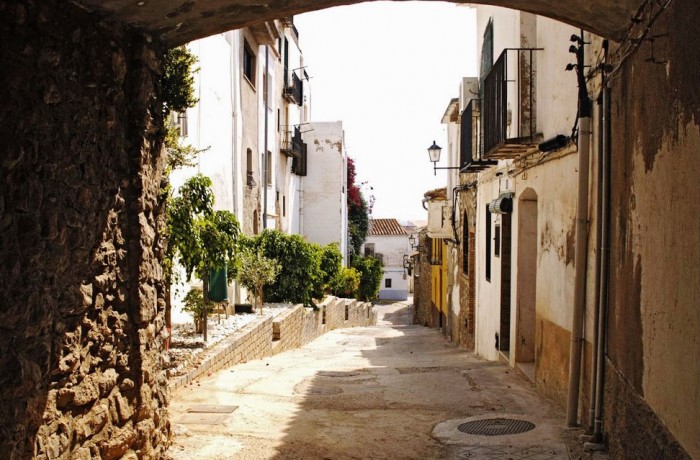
(265, 165)
(604, 268)
(584, 116)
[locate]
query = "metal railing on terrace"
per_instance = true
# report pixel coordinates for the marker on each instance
(509, 105)
(292, 145)
(294, 91)
(471, 140)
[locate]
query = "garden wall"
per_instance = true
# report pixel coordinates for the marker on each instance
(289, 330)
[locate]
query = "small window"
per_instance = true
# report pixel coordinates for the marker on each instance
(387, 283)
(284, 205)
(497, 241)
(181, 124)
(250, 179)
(369, 250)
(249, 63)
(268, 167)
(465, 244)
(487, 253)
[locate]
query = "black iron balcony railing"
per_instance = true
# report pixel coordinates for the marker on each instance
(471, 140)
(294, 91)
(509, 105)
(292, 143)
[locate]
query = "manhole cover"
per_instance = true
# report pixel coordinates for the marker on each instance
(496, 426)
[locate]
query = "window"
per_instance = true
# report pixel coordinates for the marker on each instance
(497, 241)
(387, 283)
(369, 250)
(268, 168)
(181, 124)
(249, 63)
(465, 244)
(250, 179)
(487, 253)
(284, 205)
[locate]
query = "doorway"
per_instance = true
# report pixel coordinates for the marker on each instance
(526, 297)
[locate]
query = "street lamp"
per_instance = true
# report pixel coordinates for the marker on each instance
(434, 154)
(412, 241)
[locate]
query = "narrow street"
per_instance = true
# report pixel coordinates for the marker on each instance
(392, 391)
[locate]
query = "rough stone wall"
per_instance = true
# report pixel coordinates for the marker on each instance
(467, 281)
(652, 345)
(81, 310)
(422, 308)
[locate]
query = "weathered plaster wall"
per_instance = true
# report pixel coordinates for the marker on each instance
(467, 281)
(325, 202)
(655, 255)
(81, 310)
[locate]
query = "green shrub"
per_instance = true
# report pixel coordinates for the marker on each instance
(346, 283)
(370, 270)
(255, 272)
(177, 81)
(331, 264)
(194, 305)
(300, 276)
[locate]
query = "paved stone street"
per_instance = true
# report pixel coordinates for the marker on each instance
(392, 391)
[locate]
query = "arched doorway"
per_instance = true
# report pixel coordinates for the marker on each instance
(526, 297)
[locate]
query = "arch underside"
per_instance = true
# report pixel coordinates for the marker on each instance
(179, 22)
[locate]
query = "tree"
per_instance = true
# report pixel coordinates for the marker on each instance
(255, 272)
(370, 270)
(331, 264)
(177, 81)
(202, 239)
(300, 276)
(359, 211)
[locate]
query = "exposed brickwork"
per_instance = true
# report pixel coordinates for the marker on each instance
(291, 329)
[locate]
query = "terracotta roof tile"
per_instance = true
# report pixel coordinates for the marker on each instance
(383, 227)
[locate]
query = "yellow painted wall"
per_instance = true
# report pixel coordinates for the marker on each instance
(438, 274)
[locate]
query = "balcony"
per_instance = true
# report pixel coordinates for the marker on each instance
(299, 165)
(509, 105)
(294, 90)
(292, 145)
(471, 140)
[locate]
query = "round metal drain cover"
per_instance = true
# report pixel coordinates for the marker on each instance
(496, 426)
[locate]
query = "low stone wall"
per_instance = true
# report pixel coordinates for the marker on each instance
(289, 330)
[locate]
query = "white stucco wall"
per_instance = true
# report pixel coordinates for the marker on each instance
(324, 206)
(392, 248)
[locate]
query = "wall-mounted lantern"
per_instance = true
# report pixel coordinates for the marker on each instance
(434, 152)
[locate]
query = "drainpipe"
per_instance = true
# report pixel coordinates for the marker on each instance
(584, 115)
(598, 269)
(265, 165)
(604, 274)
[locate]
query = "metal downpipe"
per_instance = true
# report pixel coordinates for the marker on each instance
(580, 276)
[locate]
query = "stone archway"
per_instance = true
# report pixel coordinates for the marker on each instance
(81, 304)
(179, 22)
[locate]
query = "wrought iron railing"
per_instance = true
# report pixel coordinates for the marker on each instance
(292, 143)
(509, 100)
(294, 91)
(299, 164)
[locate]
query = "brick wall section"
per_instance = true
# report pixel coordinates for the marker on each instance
(291, 329)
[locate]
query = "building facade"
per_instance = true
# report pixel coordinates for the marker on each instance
(388, 240)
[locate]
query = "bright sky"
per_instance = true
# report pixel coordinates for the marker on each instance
(388, 70)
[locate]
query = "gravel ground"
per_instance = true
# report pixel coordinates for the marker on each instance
(188, 349)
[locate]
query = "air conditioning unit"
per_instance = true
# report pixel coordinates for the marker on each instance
(503, 204)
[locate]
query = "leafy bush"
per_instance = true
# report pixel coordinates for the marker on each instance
(256, 271)
(331, 264)
(300, 276)
(194, 305)
(370, 270)
(177, 81)
(346, 283)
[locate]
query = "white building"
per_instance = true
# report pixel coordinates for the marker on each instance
(323, 216)
(388, 240)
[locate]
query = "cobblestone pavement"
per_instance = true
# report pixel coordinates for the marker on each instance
(392, 391)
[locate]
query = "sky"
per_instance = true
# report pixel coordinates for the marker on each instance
(388, 70)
